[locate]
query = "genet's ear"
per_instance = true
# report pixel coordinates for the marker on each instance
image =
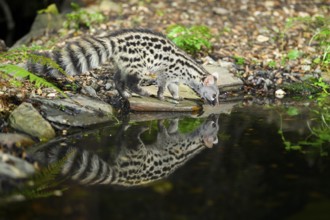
(216, 76)
(209, 80)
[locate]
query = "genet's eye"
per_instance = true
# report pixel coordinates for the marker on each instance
(214, 96)
(213, 124)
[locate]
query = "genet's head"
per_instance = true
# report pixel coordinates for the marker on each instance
(209, 90)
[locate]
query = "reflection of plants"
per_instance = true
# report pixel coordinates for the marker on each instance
(319, 26)
(190, 124)
(46, 182)
(192, 40)
(319, 134)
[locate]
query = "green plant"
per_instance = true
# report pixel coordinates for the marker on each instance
(15, 73)
(323, 37)
(239, 60)
(291, 55)
(319, 138)
(305, 87)
(192, 40)
(271, 64)
(319, 26)
(51, 9)
(82, 18)
(323, 85)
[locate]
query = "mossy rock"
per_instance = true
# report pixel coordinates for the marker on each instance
(305, 87)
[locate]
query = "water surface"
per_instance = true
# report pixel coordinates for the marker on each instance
(255, 163)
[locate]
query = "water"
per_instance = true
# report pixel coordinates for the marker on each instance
(254, 163)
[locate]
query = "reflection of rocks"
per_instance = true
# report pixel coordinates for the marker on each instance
(14, 167)
(9, 140)
(136, 163)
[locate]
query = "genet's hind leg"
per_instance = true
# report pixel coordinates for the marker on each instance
(120, 85)
(174, 90)
(133, 83)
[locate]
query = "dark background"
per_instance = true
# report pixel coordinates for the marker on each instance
(17, 16)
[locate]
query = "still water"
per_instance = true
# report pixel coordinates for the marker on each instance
(252, 162)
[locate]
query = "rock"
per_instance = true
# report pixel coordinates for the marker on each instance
(262, 39)
(148, 104)
(109, 6)
(78, 110)
(220, 11)
(42, 24)
(184, 92)
(279, 93)
(108, 86)
(306, 68)
(226, 80)
(226, 64)
(14, 167)
(3, 47)
(27, 119)
(222, 108)
(88, 90)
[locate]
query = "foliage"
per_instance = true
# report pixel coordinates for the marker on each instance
(307, 87)
(193, 40)
(319, 126)
(51, 9)
(45, 183)
(190, 124)
(82, 18)
(239, 60)
(320, 28)
(292, 55)
(18, 72)
(271, 64)
(15, 73)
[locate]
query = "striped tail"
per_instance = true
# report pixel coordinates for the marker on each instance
(75, 58)
(79, 165)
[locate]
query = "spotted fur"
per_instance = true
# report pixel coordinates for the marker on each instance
(134, 165)
(139, 55)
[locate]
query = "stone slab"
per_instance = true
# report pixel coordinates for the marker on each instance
(149, 104)
(226, 80)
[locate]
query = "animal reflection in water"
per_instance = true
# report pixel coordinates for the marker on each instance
(136, 165)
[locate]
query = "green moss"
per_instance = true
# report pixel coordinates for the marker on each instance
(306, 87)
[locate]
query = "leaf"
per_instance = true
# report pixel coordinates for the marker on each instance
(295, 147)
(292, 111)
(51, 9)
(293, 54)
(19, 72)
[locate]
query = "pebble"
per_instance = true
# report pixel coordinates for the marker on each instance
(108, 86)
(279, 93)
(88, 90)
(306, 68)
(52, 95)
(262, 38)
(220, 11)
(268, 82)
